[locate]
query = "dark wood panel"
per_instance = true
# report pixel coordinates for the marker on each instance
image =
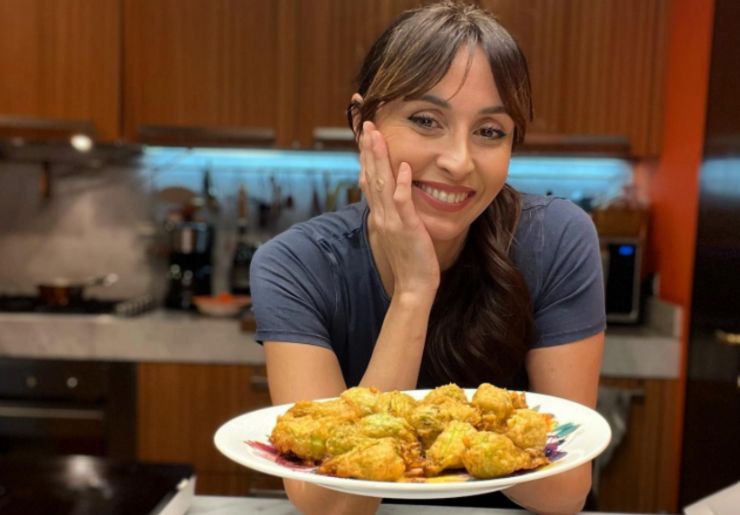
(596, 67)
(61, 60)
(181, 406)
(642, 475)
(209, 63)
(333, 37)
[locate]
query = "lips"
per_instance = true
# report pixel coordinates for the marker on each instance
(445, 197)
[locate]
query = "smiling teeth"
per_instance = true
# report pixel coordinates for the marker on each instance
(450, 198)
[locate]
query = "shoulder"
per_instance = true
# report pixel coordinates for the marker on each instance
(553, 216)
(315, 237)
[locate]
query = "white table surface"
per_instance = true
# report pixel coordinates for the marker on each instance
(206, 505)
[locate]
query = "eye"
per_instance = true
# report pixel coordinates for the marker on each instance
(424, 121)
(489, 132)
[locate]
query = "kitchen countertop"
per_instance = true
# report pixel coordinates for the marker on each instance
(206, 505)
(174, 337)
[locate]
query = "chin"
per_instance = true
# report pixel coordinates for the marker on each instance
(444, 230)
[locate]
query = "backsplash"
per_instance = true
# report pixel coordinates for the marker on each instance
(111, 219)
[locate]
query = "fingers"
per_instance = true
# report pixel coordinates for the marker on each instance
(389, 197)
(402, 195)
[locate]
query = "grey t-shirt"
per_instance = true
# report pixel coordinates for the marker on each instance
(316, 283)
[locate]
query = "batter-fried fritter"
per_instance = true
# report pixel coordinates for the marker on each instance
(429, 420)
(447, 450)
(335, 408)
(389, 436)
(304, 437)
(396, 403)
(378, 460)
(448, 392)
(528, 429)
(495, 404)
(490, 455)
(362, 398)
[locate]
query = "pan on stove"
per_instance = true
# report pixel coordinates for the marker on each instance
(62, 292)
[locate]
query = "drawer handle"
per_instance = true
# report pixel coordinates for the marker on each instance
(727, 338)
(259, 383)
(49, 413)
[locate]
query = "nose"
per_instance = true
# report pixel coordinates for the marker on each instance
(454, 156)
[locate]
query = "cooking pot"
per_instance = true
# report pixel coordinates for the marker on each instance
(62, 292)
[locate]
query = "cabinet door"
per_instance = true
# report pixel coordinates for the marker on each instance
(332, 39)
(596, 67)
(61, 60)
(206, 63)
(642, 474)
(180, 407)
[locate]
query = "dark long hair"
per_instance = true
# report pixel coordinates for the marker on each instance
(481, 323)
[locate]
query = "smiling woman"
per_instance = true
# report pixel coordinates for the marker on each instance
(443, 273)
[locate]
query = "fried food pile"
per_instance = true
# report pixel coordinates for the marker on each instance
(390, 436)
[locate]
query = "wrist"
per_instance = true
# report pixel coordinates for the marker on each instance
(414, 299)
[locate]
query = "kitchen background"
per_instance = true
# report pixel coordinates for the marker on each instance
(187, 101)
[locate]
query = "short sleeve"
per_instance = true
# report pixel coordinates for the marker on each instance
(570, 302)
(292, 294)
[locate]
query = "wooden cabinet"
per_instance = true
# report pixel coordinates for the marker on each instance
(596, 67)
(60, 60)
(289, 65)
(642, 475)
(208, 63)
(332, 38)
(180, 407)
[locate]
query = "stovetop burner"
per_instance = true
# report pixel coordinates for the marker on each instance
(88, 306)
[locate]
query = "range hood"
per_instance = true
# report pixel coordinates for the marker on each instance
(191, 136)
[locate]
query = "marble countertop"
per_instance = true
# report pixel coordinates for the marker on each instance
(173, 337)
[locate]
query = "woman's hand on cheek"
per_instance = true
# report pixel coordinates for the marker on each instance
(402, 235)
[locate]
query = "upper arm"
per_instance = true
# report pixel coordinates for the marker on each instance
(298, 371)
(569, 303)
(570, 370)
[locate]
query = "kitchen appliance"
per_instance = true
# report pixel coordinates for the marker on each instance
(62, 407)
(85, 306)
(190, 263)
(86, 485)
(621, 261)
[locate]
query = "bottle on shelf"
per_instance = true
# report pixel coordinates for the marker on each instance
(243, 251)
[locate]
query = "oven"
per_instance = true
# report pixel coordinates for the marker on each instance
(62, 407)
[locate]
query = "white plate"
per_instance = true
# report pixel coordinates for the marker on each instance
(581, 435)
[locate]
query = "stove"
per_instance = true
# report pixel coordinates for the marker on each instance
(88, 306)
(88, 485)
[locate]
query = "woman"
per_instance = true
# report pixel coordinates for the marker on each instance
(445, 273)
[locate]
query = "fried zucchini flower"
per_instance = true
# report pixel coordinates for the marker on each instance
(447, 450)
(429, 420)
(376, 460)
(528, 429)
(445, 393)
(395, 403)
(362, 398)
(304, 437)
(490, 455)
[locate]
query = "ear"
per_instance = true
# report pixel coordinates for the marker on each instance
(353, 114)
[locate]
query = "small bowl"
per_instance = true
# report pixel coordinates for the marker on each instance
(222, 305)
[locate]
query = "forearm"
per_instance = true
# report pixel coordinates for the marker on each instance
(314, 500)
(398, 350)
(572, 487)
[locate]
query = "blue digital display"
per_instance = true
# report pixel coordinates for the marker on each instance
(626, 250)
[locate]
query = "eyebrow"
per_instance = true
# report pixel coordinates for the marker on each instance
(446, 105)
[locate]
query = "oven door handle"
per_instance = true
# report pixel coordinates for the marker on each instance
(8, 411)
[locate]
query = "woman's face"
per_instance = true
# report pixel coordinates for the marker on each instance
(457, 138)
